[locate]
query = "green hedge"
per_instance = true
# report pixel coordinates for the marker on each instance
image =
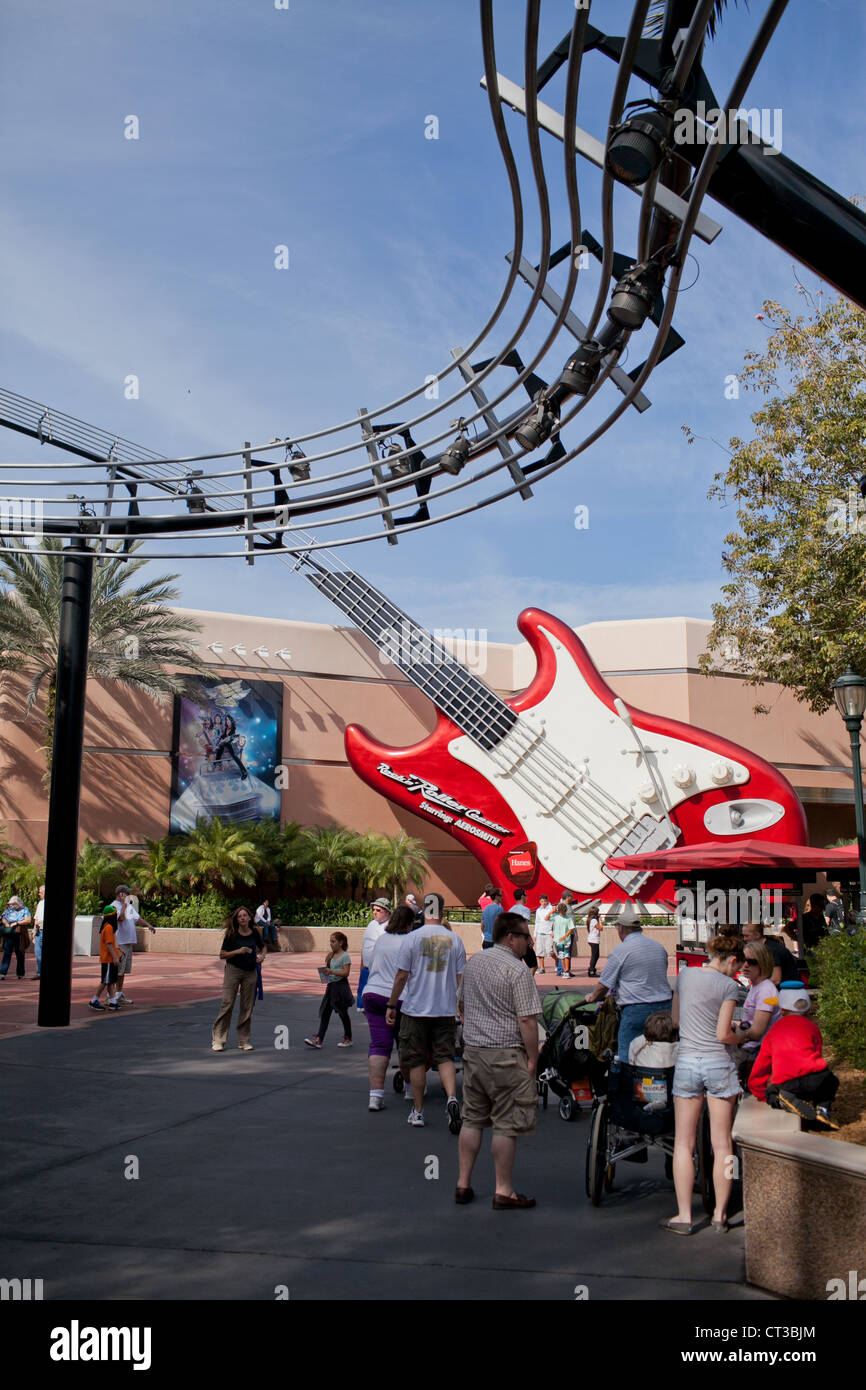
(840, 974)
(202, 910)
(321, 912)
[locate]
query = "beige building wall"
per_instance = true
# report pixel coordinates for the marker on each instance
(332, 676)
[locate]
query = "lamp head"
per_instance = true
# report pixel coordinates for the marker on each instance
(635, 295)
(849, 692)
(637, 146)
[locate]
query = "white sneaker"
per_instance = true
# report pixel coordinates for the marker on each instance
(416, 1118)
(376, 1103)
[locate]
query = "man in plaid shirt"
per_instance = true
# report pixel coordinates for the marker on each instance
(499, 1003)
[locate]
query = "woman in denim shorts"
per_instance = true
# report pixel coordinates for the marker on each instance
(703, 1007)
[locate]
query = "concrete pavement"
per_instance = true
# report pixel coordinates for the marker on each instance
(265, 1169)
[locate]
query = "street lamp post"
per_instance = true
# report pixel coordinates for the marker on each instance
(850, 693)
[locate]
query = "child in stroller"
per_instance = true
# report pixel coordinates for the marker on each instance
(577, 1037)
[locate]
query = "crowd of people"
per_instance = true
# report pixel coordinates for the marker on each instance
(420, 996)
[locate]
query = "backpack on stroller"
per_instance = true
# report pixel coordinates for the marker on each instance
(578, 1036)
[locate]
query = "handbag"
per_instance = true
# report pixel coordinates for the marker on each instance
(24, 938)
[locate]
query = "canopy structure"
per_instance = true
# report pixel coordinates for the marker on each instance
(745, 854)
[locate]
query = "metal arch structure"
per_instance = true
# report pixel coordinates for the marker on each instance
(241, 498)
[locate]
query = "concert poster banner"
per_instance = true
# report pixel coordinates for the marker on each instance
(225, 753)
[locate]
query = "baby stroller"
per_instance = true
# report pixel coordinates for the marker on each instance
(633, 1113)
(571, 1062)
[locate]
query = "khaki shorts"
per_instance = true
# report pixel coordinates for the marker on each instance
(426, 1039)
(498, 1091)
(125, 953)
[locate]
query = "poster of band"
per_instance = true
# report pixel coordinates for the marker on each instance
(225, 754)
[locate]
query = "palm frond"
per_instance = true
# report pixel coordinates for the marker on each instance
(656, 17)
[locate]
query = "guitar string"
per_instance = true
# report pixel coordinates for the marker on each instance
(489, 707)
(605, 802)
(578, 819)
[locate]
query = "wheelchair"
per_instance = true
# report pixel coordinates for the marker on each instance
(636, 1113)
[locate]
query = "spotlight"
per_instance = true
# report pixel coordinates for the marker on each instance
(635, 295)
(298, 466)
(539, 425)
(455, 456)
(398, 470)
(637, 146)
(581, 370)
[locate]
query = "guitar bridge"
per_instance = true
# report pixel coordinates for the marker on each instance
(645, 835)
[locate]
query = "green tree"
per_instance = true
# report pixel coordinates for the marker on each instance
(217, 854)
(154, 870)
(283, 852)
(656, 14)
(98, 869)
(794, 609)
(332, 853)
(134, 635)
(402, 859)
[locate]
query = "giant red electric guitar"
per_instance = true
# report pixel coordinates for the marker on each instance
(544, 787)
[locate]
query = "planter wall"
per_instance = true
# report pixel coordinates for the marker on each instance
(805, 1204)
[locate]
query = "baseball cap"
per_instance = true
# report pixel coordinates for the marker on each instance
(122, 888)
(793, 998)
(381, 902)
(109, 910)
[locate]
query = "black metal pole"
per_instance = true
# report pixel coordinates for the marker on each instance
(854, 726)
(62, 852)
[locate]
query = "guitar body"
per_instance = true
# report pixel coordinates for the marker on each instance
(571, 785)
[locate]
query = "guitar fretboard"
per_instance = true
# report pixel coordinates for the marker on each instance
(459, 694)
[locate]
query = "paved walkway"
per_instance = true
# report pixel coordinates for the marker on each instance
(165, 981)
(261, 1169)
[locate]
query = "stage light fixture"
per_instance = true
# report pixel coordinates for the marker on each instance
(580, 372)
(298, 465)
(403, 466)
(637, 146)
(539, 425)
(455, 456)
(635, 295)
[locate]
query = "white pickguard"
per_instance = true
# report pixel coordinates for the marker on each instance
(602, 762)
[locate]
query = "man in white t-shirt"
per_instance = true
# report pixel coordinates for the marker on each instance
(543, 931)
(430, 967)
(128, 918)
(381, 910)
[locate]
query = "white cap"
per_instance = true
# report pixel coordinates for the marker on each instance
(794, 999)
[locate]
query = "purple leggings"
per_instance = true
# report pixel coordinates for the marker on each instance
(382, 1037)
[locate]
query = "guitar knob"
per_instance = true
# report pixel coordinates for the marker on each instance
(720, 773)
(647, 792)
(682, 775)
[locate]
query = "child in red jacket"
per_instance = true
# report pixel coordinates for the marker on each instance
(790, 1073)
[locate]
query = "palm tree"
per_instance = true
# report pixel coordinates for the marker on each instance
(97, 866)
(332, 853)
(656, 16)
(134, 635)
(402, 858)
(154, 870)
(217, 854)
(283, 853)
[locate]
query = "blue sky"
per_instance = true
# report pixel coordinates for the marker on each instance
(306, 127)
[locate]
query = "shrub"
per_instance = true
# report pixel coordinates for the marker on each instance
(88, 903)
(840, 964)
(321, 912)
(202, 910)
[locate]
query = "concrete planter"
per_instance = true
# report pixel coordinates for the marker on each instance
(805, 1205)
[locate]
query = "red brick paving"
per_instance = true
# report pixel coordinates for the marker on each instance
(161, 981)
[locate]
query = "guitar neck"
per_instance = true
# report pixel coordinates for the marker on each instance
(460, 695)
